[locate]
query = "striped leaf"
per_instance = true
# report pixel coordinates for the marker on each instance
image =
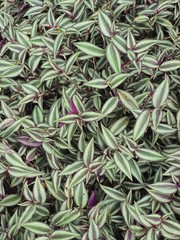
(123, 164)
(105, 24)
(90, 49)
(113, 57)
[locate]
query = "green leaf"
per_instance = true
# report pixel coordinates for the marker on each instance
(13, 128)
(105, 24)
(164, 187)
(161, 94)
(37, 227)
(91, 116)
(170, 65)
(57, 44)
(66, 217)
(5, 65)
(118, 126)
(123, 164)
(113, 57)
(113, 193)
(119, 79)
(63, 235)
(14, 71)
(27, 214)
(70, 62)
(97, 83)
(14, 159)
(90, 49)
(78, 177)
(72, 168)
(131, 42)
(109, 105)
(149, 155)
(23, 39)
(144, 45)
(128, 100)
(81, 195)
(54, 114)
(93, 232)
(120, 43)
(39, 191)
(160, 197)
(10, 200)
(171, 227)
(89, 153)
(109, 138)
(141, 124)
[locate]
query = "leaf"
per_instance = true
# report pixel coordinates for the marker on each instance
(14, 71)
(78, 177)
(66, 217)
(5, 65)
(14, 159)
(37, 115)
(161, 94)
(113, 193)
(169, 65)
(54, 114)
(69, 118)
(160, 197)
(156, 117)
(20, 172)
(113, 58)
(81, 195)
(144, 45)
(135, 170)
(27, 214)
(141, 124)
(164, 187)
(105, 24)
(12, 128)
(150, 61)
(93, 232)
(10, 200)
(37, 227)
(49, 75)
(89, 153)
(109, 105)
(149, 155)
(131, 42)
(50, 17)
(59, 195)
(109, 138)
(23, 39)
(123, 164)
(57, 43)
(120, 43)
(119, 79)
(91, 116)
(171, 227)
(128, 100)
(72, 168)
(97, 83)
(118, 126)
(63, 235)
(90, 49)
(70, 62)
(39, 191)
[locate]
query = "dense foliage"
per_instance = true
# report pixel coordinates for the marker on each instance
(89, 119)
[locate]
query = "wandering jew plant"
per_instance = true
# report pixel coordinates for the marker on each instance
(89, 119)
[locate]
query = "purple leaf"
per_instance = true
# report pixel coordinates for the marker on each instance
(93, 199)
(26, 141)
(74, 108)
